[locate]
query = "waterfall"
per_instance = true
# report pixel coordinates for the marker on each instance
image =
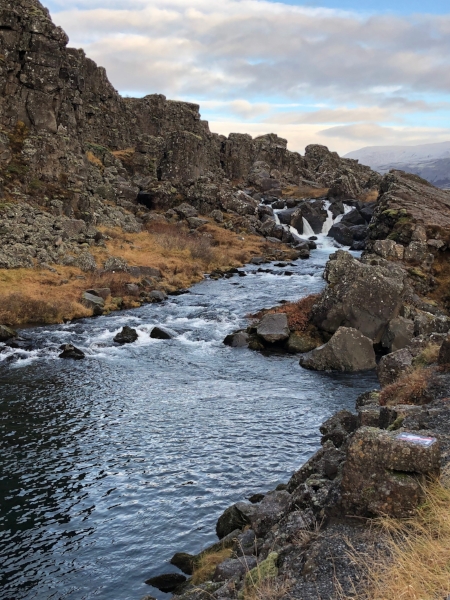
(307, 229)
(329, 221)
(347, 209)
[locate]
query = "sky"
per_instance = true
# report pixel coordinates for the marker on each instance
(343, 73)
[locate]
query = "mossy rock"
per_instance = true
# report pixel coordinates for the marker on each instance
(267, 569)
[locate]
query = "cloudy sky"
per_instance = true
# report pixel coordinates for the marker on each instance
(345, 73)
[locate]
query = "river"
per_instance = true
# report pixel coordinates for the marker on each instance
(110, 465)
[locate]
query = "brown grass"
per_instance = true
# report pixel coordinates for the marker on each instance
(428, 356)
(94, 160)
(410, 388)
(371, 196)
(416, 565)
(272, 588)
(34, 296)
(304, 191)
(298, 313)
(207, 564)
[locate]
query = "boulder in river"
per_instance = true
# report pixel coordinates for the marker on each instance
(6, 333)
(348, 350)
(273, 328)
(128, 335)
(70, 352)
(160, 334)
(166, 583)
(184, 561)
(239, 339)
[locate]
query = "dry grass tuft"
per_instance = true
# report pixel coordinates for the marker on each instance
(298, 313)
(410, 388)
(207, 564)
(428, 356)
(270, 589)
(304, 191)
(94, 160)
(416, 565)
(371, 196)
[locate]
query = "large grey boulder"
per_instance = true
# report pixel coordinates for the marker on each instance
(398, 335)
(6, 333)
(348, 350)
(273, 328)
(71, 352)
(385, 471)
(362, 296)
(393, 365)
(94, 302)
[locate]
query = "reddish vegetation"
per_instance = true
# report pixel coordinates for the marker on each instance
(298, 313)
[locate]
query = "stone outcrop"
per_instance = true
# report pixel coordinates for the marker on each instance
(75, 155)
(128, 335)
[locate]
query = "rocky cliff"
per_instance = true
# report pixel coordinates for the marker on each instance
(72, 148)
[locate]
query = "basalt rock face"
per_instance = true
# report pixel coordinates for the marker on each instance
(72, 147)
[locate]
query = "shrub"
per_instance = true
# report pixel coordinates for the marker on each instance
(298, 313)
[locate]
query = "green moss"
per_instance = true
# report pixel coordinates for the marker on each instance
(397, 423)
(416, 272)
(267, 569)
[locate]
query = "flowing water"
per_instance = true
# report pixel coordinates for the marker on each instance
(110, 465)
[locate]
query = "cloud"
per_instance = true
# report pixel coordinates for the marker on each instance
(256, 47)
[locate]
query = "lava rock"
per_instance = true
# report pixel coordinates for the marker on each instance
(157, 296)
(235, 517)
(273, 328)
(160, 334)
(166, 583)
(234, 567)
(348, 350)
(70, 352)
(184, 561)
(237, 340)
(444, 354)
(6, 333)
(128, 335)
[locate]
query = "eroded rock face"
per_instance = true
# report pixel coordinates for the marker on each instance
(348, 350)
(384, 471)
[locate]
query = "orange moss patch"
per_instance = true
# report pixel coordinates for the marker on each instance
(298, 313)
(94, 160)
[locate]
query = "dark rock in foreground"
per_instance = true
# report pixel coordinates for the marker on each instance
(126, 336)
(166, 583)
(184, 561)
(70, 352)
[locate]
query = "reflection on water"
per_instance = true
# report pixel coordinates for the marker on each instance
(110, 465)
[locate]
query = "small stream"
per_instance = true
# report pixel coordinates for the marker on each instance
(111, 464)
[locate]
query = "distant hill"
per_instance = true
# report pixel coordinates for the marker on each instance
(430, 161)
